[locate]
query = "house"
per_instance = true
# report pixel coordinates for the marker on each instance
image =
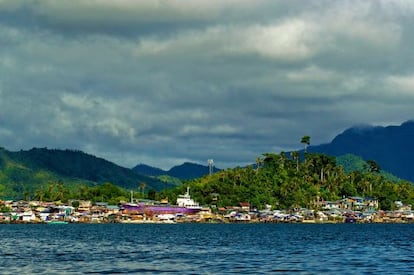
(245, 206)
(402, 207)
(328, 205)
(84, 206)
(353, 203)
(27, 216)
(371, 203)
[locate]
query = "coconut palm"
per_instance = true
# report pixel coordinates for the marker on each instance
(142, 186)
(295, 156)
(306, 141)
(259, 162)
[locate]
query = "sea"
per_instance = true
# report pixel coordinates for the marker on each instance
(207, 248)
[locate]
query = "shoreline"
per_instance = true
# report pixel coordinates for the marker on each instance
(399, 221)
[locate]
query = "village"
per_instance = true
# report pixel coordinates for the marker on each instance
(346, 210)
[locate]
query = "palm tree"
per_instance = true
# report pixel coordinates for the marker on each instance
(39, 194)
(295, 157)
(259, 162)
(26, 195)
(83, 192)
(282, 159)
(142, 186)
(60, 191)
(373, 166)
(306, 141)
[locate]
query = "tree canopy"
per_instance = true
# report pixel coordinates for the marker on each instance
(286, 182)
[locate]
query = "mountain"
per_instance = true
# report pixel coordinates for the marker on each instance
(185, 171)
(28, 170)
(391, 147)
(352, 163)
(147, 170)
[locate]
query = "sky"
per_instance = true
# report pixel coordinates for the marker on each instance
(163, 82)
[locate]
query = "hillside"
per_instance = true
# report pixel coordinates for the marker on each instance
(16, 178)
(352, 163)
(284, 182)
(28, 170)
(185, 171)
(391, 147)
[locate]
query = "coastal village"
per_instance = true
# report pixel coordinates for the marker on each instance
(346, 210)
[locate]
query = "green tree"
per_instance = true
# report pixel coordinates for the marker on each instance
(306, 141)
(75, 204)
(142, 187)
(295, 156)
(259, 162)
(373, 166)
(152, 194)
(26, 195)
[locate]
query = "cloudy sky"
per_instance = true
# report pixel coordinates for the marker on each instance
(166, 81)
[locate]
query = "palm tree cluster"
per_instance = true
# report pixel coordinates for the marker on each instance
(288, 181)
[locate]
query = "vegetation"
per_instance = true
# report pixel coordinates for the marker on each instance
(106, 192)
(278, 179)
(169, 180)
(76, 164)
(390, 146)
(288, 182)
(306, 141)
(25, 172)
(352, 163)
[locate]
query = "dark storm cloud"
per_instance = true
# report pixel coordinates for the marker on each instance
(162, 82)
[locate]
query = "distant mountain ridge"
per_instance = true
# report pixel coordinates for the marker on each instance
(185, 171)
(38, 166)
(391, 147)
(149, 170)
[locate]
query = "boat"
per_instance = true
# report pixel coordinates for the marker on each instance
(187, 202)
(57, 222)
(185, 205)
(166, 218)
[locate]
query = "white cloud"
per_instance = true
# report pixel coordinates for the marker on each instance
(79, 102)
(401, 84)
(291, 40)
(312, 74)
(351, 31)
(374, 35)
(288, 41)
(355, 83)
(115, 128)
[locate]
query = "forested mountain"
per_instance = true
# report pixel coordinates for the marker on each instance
(391, 147)
(185, 171)
(25, 171)
(352, 163)
(18, 180)
(147, 170)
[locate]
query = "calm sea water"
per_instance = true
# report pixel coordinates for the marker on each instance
(207, 248)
